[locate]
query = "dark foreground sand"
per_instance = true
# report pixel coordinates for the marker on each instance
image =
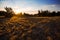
(31, 28)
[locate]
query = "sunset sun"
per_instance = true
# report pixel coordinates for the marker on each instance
(17, 11)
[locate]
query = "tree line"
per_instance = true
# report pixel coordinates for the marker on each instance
(9, 13)
(44, 14)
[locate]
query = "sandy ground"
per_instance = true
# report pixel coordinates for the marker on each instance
(30, 28)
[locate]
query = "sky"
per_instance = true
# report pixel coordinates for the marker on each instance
(30, 6)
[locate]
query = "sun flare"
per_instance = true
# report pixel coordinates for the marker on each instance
(17, 11)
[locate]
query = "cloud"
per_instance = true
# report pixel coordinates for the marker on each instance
(34, 9)
(49, 7)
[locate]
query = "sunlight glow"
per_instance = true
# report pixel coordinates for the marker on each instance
(17, 11)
